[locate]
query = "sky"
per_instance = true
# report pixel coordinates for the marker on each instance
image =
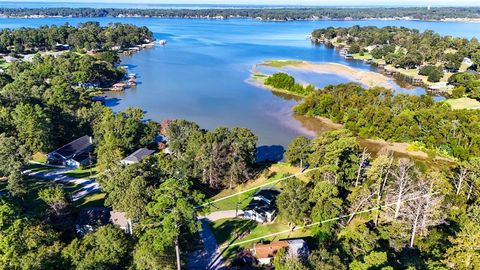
(286, 2)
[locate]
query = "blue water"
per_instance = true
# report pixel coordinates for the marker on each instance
(201, 74)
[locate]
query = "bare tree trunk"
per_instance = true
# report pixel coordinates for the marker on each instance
(363, 158)
(177, 252)
(381, 188)
(414, 227)
(461, 178)
(470, 189)
(360, 204)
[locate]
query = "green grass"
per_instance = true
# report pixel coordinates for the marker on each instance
(242, 199)
(463, 103)
(82, 172)
(39, 168)
(281, 63)
(39, 157)
(357, 56)
(231, 231)
(96, 199)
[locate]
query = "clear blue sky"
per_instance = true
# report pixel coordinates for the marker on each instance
(285, 2)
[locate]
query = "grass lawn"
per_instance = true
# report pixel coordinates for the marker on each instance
(39, 168)
(96, 199)
(463, 103)
(83, 172)
(275, 172)
(281, 63)
(357, 56)
(39, 157)
(231, 231)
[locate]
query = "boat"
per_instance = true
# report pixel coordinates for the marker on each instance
(162, 42)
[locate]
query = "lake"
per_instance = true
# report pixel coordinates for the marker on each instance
(201, 74)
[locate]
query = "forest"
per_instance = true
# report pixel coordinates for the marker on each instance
(422, 217)
(432, 54)
(85, 36)
(378, 113)
(282, 14)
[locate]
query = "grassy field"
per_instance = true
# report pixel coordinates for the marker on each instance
(93, 200)
(83, 172)
(274, 173)
(463, 103)
(34, 167)
(231, 231)
(39, 157)
(281, 63)
(357, 56)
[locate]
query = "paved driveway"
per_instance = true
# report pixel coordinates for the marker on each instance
(88, 185)
(209, 257)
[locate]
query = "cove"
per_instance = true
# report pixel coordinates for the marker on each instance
(201, 74)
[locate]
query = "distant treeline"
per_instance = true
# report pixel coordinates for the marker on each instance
(419, 13)
(89, 35)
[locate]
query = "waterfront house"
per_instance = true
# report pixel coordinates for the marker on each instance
(296, 248)
(136, 156)
(118, 87)
(262, 207)
(73, 154)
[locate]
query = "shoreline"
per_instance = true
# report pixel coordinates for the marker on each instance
(133, 15)
(367, 78)
(375, 146)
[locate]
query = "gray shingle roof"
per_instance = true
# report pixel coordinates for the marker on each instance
(75, 146)
(139, 154)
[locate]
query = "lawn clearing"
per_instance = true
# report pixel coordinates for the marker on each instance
(96, 199)
(35, 167)
(463, 103)
(281, 63)
(83, 172)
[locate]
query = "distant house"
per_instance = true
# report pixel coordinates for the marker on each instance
(119, 219)
(296, 248)
(90, 219)
(118, 87)
(73, 154)
(262, 207)
(136, 156)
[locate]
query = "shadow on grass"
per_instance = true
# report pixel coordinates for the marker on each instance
(231, 230)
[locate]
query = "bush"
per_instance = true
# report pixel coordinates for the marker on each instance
(458, 92)
(434, 73)
(355, 48)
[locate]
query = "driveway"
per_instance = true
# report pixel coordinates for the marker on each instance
(208, 258)
(88, 185)
(214, 216)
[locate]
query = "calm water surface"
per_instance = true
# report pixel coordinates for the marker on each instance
(201, 74)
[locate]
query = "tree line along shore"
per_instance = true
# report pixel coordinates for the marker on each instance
(274, 14)
(400, 213)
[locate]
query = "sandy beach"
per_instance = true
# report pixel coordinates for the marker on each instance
(367, 78)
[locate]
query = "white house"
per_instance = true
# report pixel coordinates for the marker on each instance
(73, 154)
(136, 156)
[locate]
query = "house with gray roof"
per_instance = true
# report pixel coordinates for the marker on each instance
(74, 154)
(137, 156)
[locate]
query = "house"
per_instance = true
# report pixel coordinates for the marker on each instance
(296, 248)
(136, 156)
(118, 87)
(73, 154)
(119, 219)
(262, 207)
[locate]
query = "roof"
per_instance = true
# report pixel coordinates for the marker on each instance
(75, 146)
(119, 218)
(268, 194)
(263, 251)
(139, 154)
(81, 157)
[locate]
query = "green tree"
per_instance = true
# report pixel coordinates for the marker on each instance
(172, 215)
(33, 126)
(14, 157)
(107, 248)
(55, 197)
(292, 203)
(464, 253)
(326, 205)
(298, 151)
